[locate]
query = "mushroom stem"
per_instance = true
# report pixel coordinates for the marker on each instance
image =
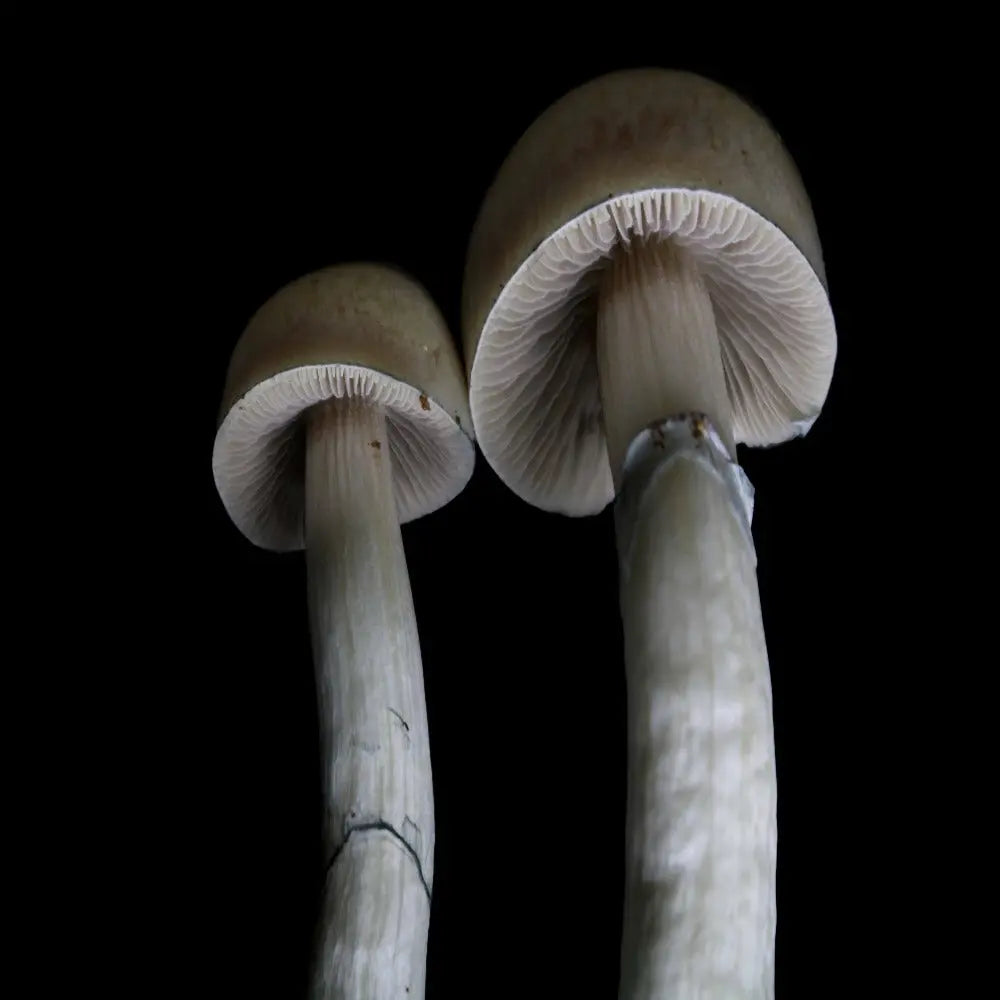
(699, 914)
(379, 805)
(658, 350)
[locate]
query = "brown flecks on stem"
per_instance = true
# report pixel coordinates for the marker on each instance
(424, 402)
(377, 445)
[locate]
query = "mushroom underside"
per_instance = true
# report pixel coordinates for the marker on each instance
(534, 390)
(259, 455)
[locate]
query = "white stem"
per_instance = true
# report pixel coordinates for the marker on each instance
(379, 804)
(699, 916)
(658, 350)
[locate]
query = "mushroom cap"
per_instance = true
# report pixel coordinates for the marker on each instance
(351, 331)
(637, 154)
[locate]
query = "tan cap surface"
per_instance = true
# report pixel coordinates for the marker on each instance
(638, 154)
(355, 330)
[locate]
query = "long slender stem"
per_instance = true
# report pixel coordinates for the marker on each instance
(699, 915)
(379, 807)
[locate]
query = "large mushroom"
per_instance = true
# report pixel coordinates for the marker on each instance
(345, 414)
(644, 290)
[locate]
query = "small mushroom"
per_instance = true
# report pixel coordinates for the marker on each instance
(344, 415)
(645, 289)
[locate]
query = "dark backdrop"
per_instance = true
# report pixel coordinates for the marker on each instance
(275, 171)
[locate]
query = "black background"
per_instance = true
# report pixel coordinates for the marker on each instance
(274, 169)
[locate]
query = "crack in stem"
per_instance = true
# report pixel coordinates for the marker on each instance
(387, 828)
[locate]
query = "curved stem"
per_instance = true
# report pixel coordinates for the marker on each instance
(700, 822)
(699, 914)
(379, 807)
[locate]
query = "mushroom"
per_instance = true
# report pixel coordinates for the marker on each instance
(344, 415)
(644, 289)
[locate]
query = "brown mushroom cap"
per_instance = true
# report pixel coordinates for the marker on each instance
(351, 331)
(637, 154)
